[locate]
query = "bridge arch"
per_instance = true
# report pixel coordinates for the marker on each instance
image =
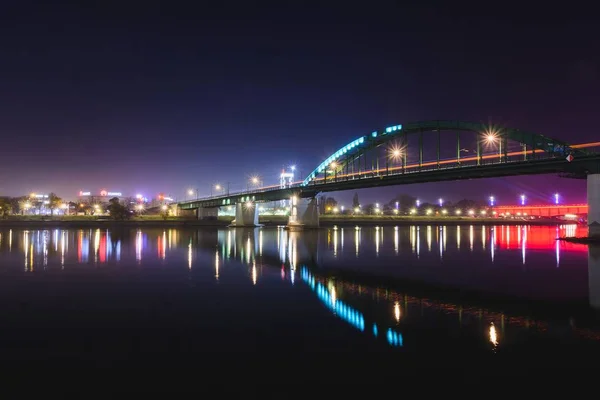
(532, 142)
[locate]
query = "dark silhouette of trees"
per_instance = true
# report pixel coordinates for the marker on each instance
(54, 202)
(355, 201)
(117, 210)
(405, 202)
(5, 206)
(329, 203)
(466, 204)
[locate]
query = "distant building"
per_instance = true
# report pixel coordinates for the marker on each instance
(101, 197)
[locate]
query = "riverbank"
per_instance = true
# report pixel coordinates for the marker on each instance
(580, 240)
(424, 220)
(266, 220)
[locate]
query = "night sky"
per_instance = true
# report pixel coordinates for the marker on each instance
(155, 98)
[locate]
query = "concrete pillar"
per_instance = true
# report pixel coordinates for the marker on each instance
(304, 213)
(593, 200)
(594, 275)
(207, 213)
(246, 214)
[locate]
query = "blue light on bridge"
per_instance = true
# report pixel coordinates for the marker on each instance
(394, 338)
(375, 330)
(391, 129)
(341, 309)
(325, 164)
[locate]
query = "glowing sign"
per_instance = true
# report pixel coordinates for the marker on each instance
(114, 193)
(85, 193)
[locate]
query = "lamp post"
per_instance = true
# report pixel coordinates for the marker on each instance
(217, 187)
(192, 191)
(293, 169)
(255, 181)
(334, 167)
(395, 154)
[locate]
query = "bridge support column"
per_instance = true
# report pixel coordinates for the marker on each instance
(246, 214)
(594, 275)
(304, 213)
(206, 213)
(593, 200)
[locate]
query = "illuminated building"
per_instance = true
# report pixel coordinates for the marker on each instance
(88, 200)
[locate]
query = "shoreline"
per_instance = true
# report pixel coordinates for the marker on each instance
(269, 221)
(438, 221)
(580, 240)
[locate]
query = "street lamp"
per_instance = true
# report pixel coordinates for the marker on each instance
(333, 166)
(192, 191)
(441, 201)
(394, 153)
(492, 201)
(293, 169)
(491, 137)
(418, 203)
(556, 198)
(522, 199)
(217, 187)
(254, 180)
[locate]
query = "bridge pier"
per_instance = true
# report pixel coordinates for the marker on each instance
(206, 213)
(593, 200)
(594, 275)
(304, 213)
(246, 215)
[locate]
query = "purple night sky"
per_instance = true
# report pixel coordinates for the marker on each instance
(165, 98)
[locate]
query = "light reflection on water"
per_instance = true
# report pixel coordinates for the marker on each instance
(528, 259)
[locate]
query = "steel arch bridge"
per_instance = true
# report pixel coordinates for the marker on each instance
(399, 148)
(427, 151)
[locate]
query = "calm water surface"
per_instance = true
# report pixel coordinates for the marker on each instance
(421, 294)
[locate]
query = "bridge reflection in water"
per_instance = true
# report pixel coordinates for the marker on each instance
(305, 257)
(345, 298)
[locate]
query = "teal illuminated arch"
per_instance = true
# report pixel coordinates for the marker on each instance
(351, 148)
(376, 138)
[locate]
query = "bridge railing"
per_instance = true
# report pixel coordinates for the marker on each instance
(264, 189)
(443, 164)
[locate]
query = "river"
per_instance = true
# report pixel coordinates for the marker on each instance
(418, 294)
